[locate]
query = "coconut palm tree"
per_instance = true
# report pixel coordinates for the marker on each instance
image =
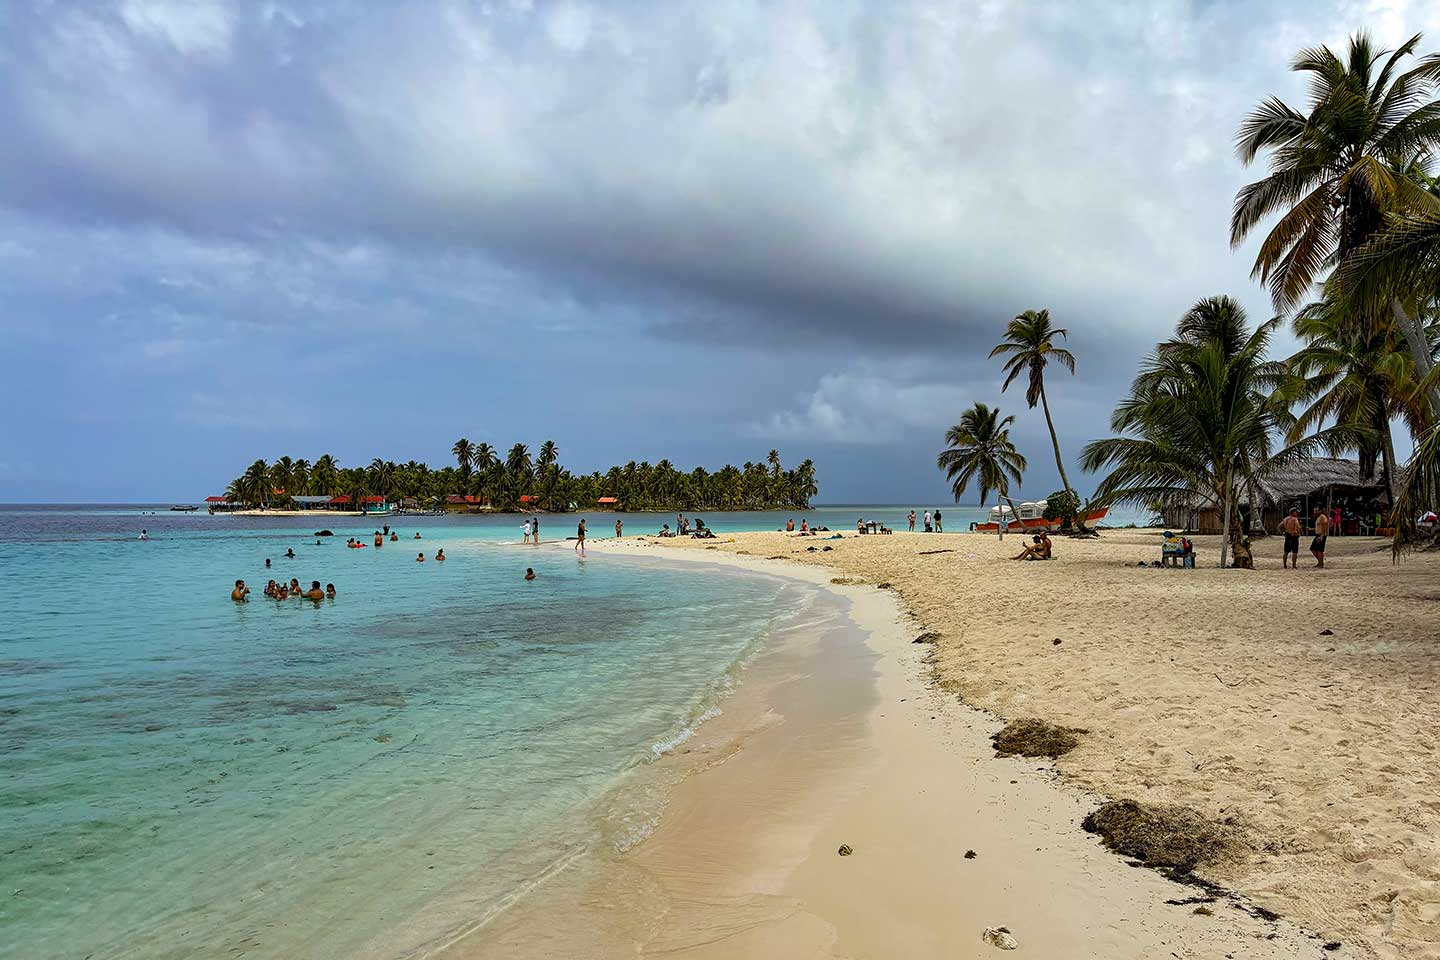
(1338, 169)
(325, 475)
(254, 485)
(549, 453)
(980, 449)
(1355, 377)
(464, 453)
(1029, 347)
(1201, 417)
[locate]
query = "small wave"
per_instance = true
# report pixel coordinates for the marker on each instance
(686, 732)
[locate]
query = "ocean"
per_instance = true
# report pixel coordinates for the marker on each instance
(188, 776)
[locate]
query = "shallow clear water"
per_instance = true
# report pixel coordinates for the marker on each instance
(185, 775)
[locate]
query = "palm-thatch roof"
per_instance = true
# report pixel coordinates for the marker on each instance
(1317, 474)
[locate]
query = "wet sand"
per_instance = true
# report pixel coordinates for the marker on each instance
(837, 737)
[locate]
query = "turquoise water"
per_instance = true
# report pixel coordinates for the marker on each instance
(189, 776)
(186, 776)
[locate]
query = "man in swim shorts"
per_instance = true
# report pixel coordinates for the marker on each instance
(1290, 527)
(1322, 531)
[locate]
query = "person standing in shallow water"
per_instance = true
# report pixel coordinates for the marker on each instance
(535, 529)
(938, 527)
(580, 538)
(619, 525)
(912, 521)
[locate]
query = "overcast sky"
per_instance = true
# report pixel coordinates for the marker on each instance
(245, 229)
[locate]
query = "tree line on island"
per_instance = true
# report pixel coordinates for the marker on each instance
(481, 473)
(1352, 263)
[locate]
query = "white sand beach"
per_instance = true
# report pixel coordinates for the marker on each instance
(1296, 707)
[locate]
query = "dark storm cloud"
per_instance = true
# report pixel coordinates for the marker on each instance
(872, 188)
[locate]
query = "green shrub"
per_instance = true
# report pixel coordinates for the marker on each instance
(1064, 507)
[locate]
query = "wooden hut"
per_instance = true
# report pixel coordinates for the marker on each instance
(1322, 482)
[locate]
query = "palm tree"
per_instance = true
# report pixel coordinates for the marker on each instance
(324, 476)
(1030, 346)
(254, 484)
(980, 448)
(549, 453)
(463, 453)
(1356, 378)
(1199, 422)
(282, 476)
(1338, 170)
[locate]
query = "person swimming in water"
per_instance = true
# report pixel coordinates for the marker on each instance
(394, 537)
(440, 554)
(420, 558)
(241, 593)
(314, 593)
(529, 573)
(283, 593)
(330, 590)
(417, 534)
(144, 535)
(267, 563)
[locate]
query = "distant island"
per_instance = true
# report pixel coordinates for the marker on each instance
(482, 481)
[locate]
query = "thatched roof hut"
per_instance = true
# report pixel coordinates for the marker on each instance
(1323, 482)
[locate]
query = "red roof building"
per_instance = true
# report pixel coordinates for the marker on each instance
(607, 501)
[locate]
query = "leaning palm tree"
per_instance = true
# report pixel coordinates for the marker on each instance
(979, 449)
(1028, 347)
(325, 475)
(1339, 169)
(1199, 422)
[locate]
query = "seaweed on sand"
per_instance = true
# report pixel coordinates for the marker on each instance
(1030, 737)
(1160, 835)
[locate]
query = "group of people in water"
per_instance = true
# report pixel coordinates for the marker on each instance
(280, 590)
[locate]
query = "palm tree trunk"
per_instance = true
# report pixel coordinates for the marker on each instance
(1054, 442)
(1387, 451)
(1415, 339)
(1225, 524)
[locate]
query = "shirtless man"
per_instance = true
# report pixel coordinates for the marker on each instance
(314, 593)
(1290, 527)
(241, 593)
(1322, 530)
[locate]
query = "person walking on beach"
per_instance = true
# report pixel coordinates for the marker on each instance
(928, 526)
(619, 525)
(912, 521)
(580, 538)
(938, 528)
(1290, 527)
(1317, 545)
(525, 527)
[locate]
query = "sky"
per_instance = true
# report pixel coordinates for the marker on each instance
(692, 231)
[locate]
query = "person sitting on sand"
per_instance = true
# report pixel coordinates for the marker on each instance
(529, 573)
(1244, 559)
(241, 593)
(440, 554)
(330, 590)
(1039, 549)
(790, 525)
(665, 531)
(804, 525)
(314, 593)
(420, 558)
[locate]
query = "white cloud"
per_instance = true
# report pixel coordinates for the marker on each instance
(190, 26)
(861, 407)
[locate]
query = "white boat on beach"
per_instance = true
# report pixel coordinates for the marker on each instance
(1029, 516)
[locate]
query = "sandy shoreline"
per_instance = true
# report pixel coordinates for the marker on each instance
(1214, 689)
(850, 744)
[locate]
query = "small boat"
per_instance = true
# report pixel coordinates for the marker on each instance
(188, 508)
(1030, 517)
